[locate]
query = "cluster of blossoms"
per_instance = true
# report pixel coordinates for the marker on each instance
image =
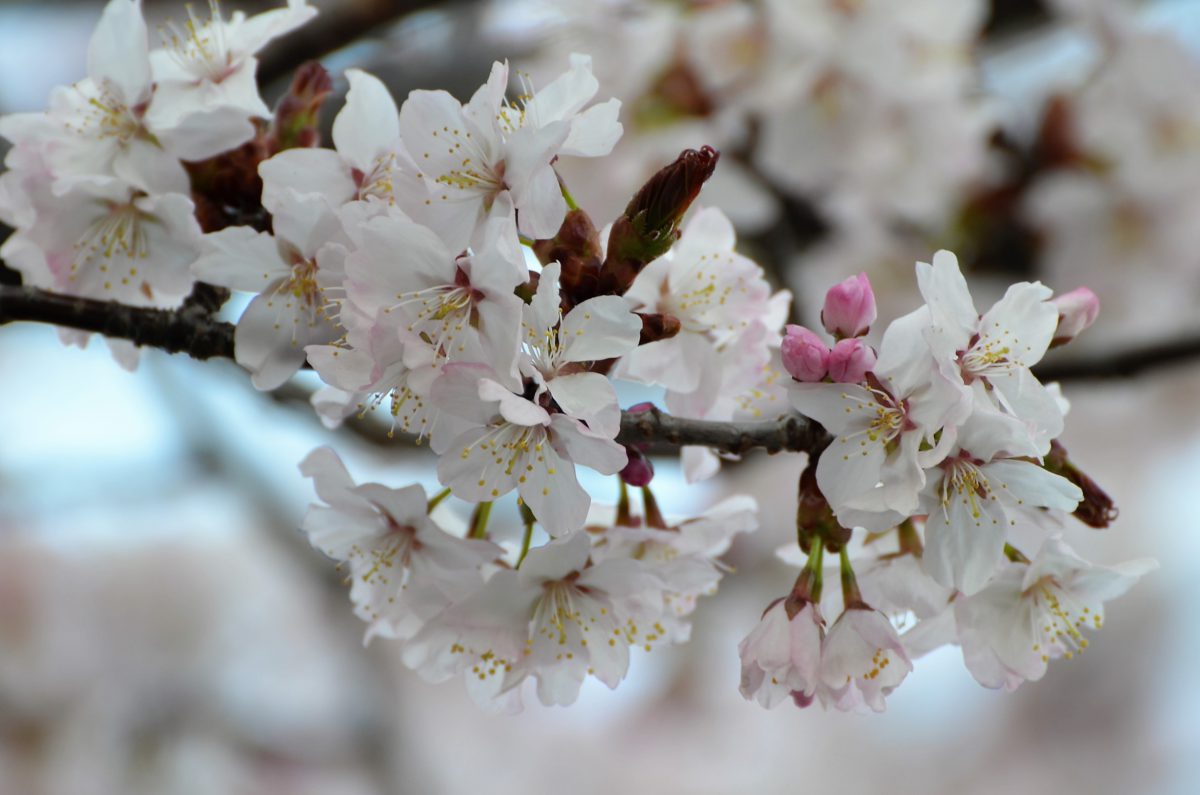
(433, 264)
(868, 109)
(944, 438)
(98, 187)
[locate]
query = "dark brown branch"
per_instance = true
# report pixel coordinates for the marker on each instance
(192, 330)
(332, 30)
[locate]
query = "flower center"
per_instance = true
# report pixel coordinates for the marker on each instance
(199, 46)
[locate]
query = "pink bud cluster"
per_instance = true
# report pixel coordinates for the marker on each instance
(848, 314)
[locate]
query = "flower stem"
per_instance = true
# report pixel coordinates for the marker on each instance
(811, 580)
(624, 517)
(654, 517)
(851, 596)
(436, 499)
(479, 520)
(525, 539)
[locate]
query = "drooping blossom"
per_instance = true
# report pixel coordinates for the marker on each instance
(402, 568)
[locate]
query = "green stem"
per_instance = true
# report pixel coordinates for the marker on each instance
(624, 513)
(525, 539)
(479, 520)
(654, 517)
(566, 194)
(436, 499)
(851, 596)
(811, 580)
(1014, 554)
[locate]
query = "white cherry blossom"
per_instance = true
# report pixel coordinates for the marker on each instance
(781, 657)
(469, 155)
(367, 158)
(873, 471)
(862, 661)
(210, 63)
(555, 348)
(402, 568)
(455, 308)
(557, 618)
(992, 354)
(296, 272)
(715, 294)
(1033, 613)
(516, 444)
(978, 496)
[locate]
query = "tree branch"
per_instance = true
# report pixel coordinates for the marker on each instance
(193, 330)
(334, 29)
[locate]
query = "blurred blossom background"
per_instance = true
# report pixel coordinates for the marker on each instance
(164, 628)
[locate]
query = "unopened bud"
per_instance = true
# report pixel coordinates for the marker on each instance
(1076, 311)
(805, 355)
(850, 361)
(1096, 509)
(297, 113)
(849, 307)
(639, 471)
(650, 224)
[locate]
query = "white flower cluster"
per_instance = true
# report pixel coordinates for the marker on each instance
(557, 613)
(97, 187)
(870, 109)
(945, 425)
(433, 263)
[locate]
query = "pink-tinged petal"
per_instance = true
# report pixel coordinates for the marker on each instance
(998, 636)
(368, 125)
(118, 53)
(305, 171)
(599, 328)
(555, 560)
(586, 447)
(344, 368)
(513, 408)
(951, 309)
(699, 463)
(471, 470)
(594, 132)
(589, 397)
(456, 392)
(964, 541)
(804, 355)
(1077, 310)
(239, 258)
(544, 310)
(553, 493)
(331, 479)
(269, 341)
(203, 133)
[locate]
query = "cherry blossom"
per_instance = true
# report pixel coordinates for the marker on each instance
(557, 618)
(713, 291)
(460, 308)
(206, 64)
(992, 354)
(1033, 613)
(294, 272)
(862, 660)
(516, 444)
(367, 158)
(556, 346)
(469, 155)
(781, 656)
(403, 569)
(978, 495)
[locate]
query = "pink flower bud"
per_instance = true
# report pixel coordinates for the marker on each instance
(1076, 311)
(849, 307)
(804, 354)
(639, 471)
(850, 361)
